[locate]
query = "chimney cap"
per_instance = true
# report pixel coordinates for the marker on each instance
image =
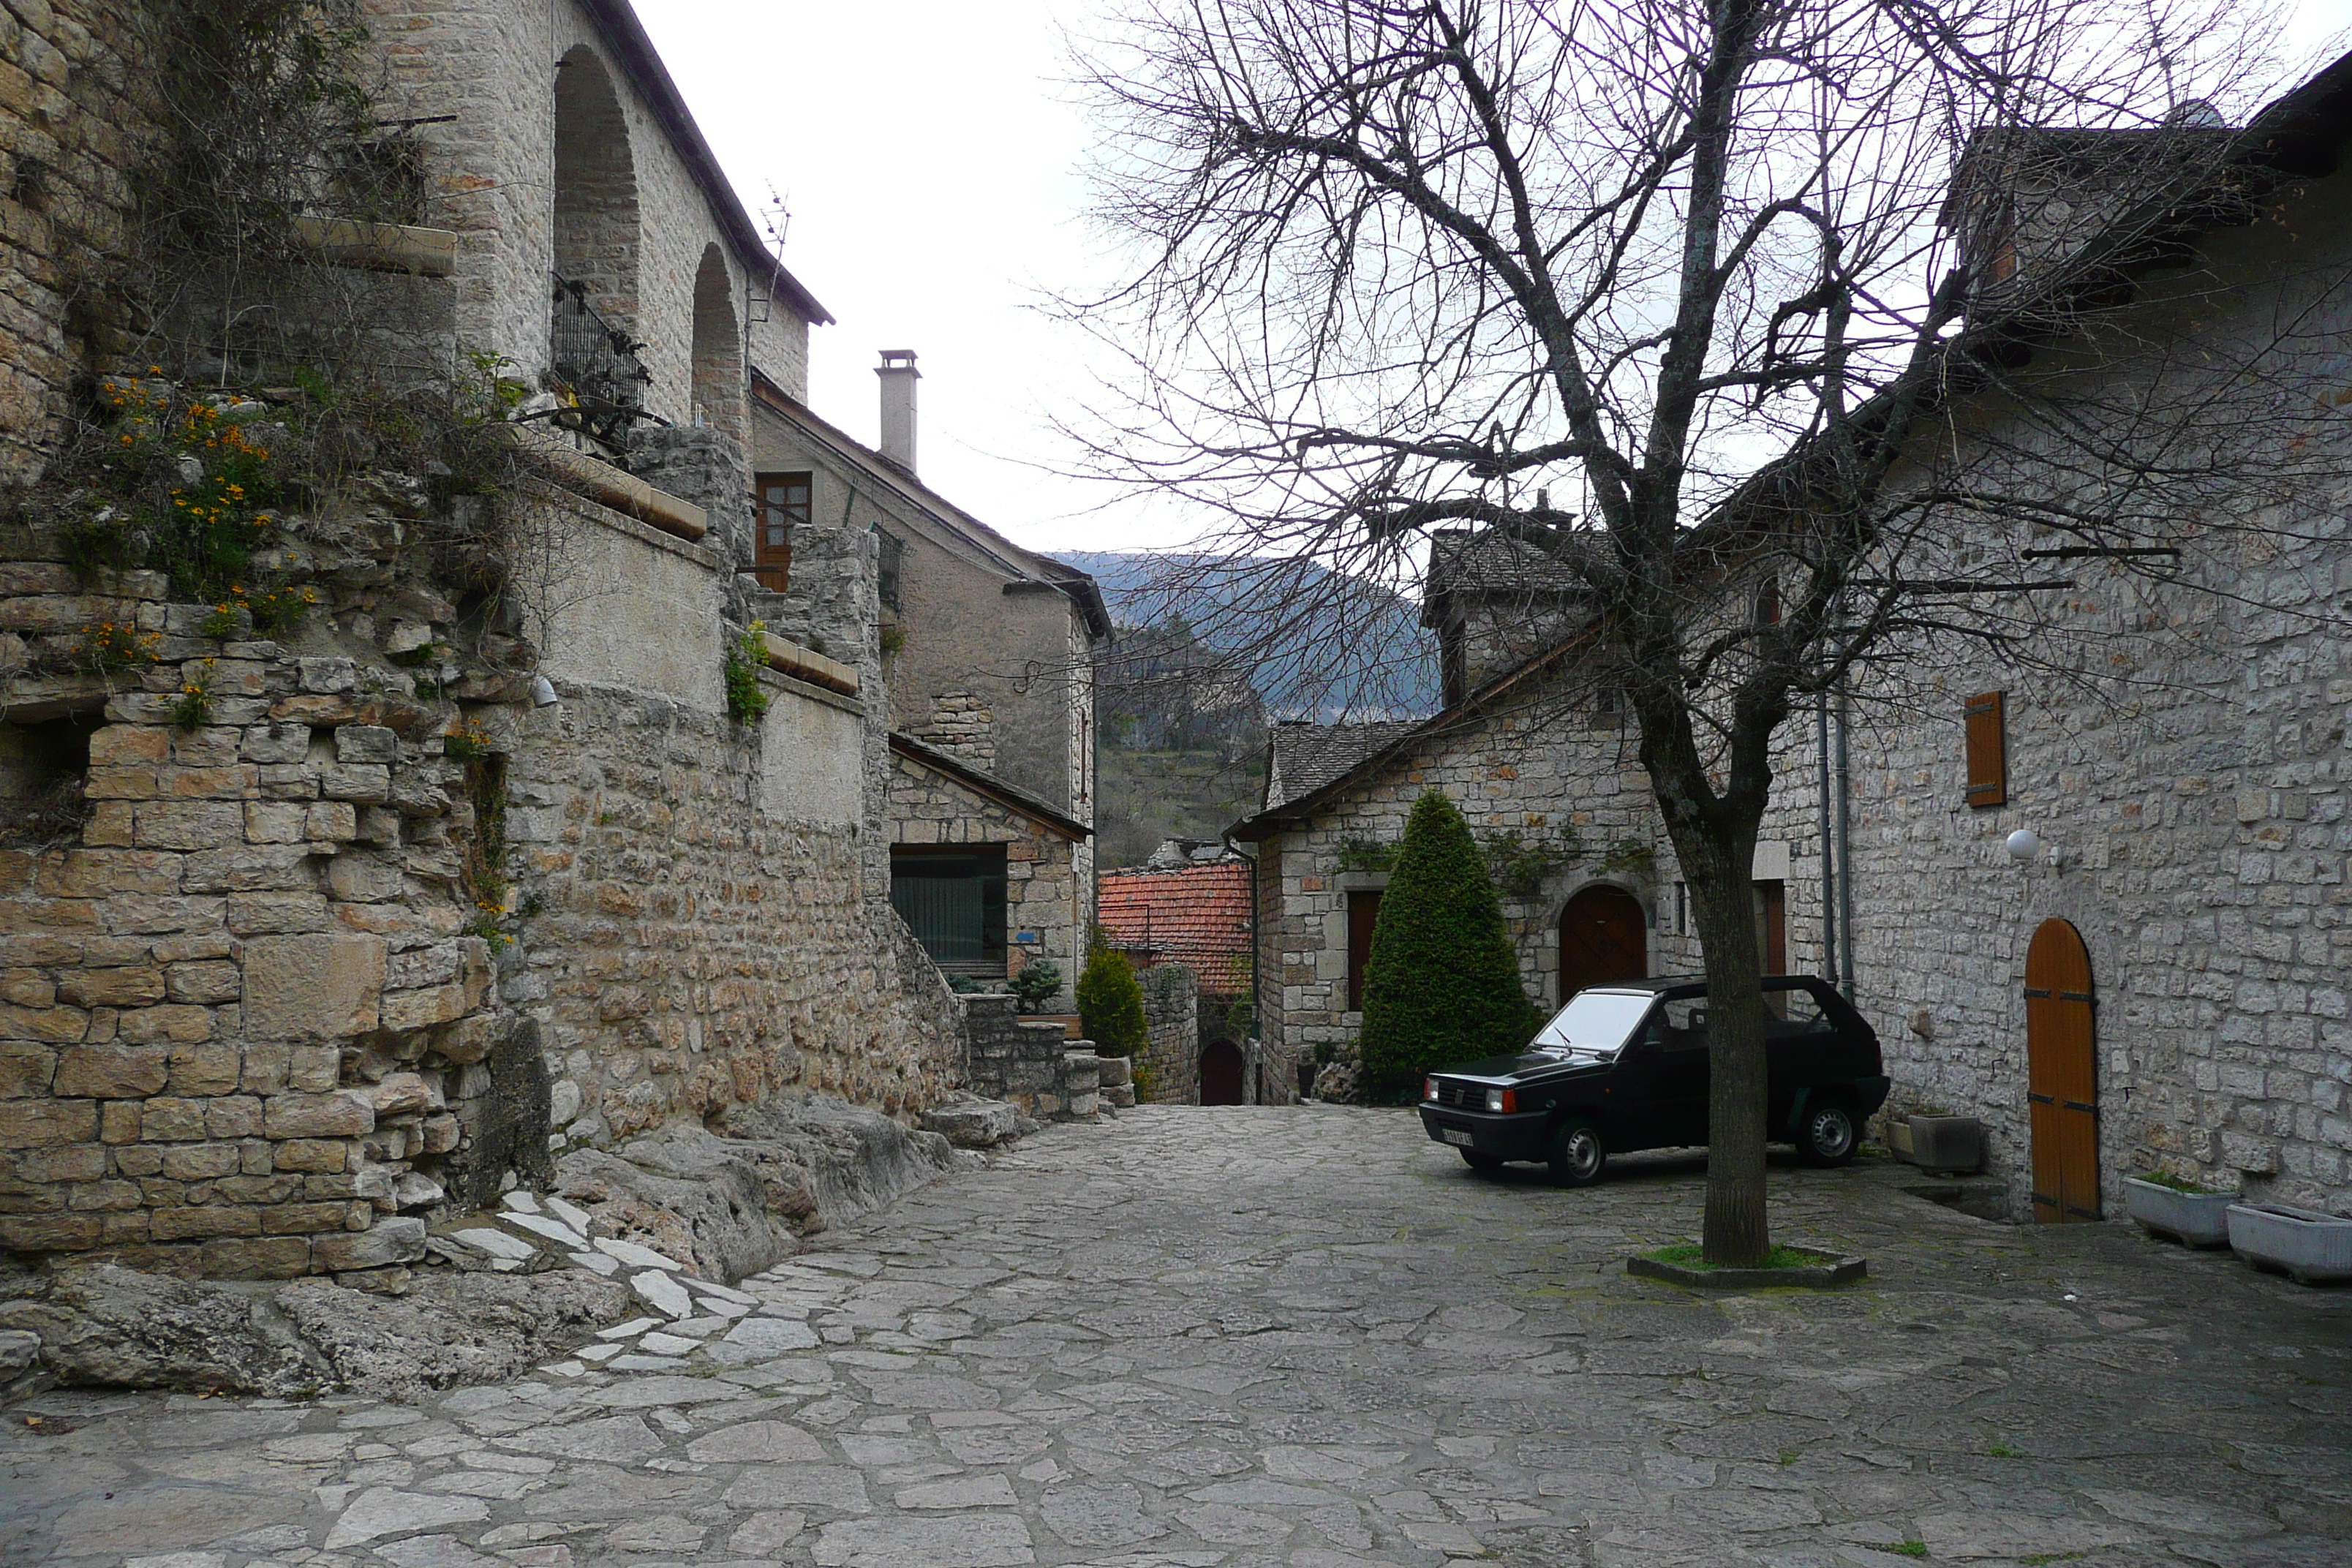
(897, 360)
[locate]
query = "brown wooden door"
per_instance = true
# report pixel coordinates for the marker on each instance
(780, 503)
(1363, 912)
(1221, 1074)
(2061, 1073)
(1602, 940)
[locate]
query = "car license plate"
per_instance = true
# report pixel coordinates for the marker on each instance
(1455, 1135)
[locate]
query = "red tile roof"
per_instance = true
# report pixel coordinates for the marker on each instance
(1198, 916)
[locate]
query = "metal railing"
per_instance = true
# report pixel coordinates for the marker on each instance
(598, 376)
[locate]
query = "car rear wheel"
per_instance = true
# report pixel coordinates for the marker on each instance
(1477, 1162)
(1828, 1135)
(1577, 1154)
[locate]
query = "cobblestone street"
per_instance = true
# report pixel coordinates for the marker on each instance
(1303, 1336)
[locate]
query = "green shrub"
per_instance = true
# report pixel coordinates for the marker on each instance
(1112, 1003)
(1444, 983)
(746, 656)
(1036, 984)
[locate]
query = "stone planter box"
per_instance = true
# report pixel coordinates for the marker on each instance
(1951, 1143)
(2309, 1246)
(2193, 1219)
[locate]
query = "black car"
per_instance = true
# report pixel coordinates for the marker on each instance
(1622, 1068)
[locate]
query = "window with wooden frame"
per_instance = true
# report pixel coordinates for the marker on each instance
(780, 503)
(1988, 751)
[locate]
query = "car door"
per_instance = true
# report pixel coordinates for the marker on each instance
(1679, 1027)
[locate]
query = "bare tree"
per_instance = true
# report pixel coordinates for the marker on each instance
(1704, 299)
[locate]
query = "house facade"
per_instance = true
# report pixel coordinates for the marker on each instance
(319, 927)
(1191, 906)
(984, 834)
(2150, 978)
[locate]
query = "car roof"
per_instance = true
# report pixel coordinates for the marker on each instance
(1651, 987)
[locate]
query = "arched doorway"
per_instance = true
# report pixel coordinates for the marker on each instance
(1602, 940)
(717, 347)
(2062, 1075)
(1221, 1073)
(595, 189)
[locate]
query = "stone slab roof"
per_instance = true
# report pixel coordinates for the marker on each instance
(1198, 916)
(1302, 758)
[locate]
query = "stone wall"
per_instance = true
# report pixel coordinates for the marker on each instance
(1171, 998)
(77, 113)
(1031, 1062)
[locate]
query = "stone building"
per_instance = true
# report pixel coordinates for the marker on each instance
(1189, 907)
(2152, 981)
(341, 906)
(987, 660)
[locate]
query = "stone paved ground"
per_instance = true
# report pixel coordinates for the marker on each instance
(1306, 1336)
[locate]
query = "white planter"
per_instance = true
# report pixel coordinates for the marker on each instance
(2196, 1219)
(2309, 1246)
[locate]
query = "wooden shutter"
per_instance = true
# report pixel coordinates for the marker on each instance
(1988, 751)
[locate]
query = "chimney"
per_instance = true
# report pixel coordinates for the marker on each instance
(898, 378)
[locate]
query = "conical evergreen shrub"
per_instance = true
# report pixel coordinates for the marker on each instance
(1110, 1003)
(1443, 985)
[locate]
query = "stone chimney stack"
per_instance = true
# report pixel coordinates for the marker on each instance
(898, 378)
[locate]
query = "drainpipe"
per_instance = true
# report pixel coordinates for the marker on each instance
(1829, 865)
(1844, 854)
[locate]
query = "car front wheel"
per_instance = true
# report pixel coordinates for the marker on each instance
(1577, 1154)
(1828, 1135)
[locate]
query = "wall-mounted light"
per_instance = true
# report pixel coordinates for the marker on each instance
(2025, 847)
(542, 692)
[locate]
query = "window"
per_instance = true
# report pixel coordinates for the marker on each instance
(1363, 911)
(1682, 909)
(1797, 1010)
(780, 504)
(1768, 602)
(1988, 751)
(1772, 926)
(952, 898)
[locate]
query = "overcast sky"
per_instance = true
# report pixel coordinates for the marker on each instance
(929, 153)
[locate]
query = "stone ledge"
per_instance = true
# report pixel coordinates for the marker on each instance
(1835, 1270)
(378, 247)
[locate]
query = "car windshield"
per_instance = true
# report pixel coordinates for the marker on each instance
(1594, 1023)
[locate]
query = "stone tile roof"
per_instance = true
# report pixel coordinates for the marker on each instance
(1302, 758)
(1484, 562)
(1198, 916)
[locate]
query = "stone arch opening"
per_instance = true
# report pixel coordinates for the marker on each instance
(596, 233)
(717, 385)
(1221, 1070)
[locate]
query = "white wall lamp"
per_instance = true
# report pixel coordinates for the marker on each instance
(2025, 847)
(542, 692)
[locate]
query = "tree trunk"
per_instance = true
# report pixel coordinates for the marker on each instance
(1737, 1234)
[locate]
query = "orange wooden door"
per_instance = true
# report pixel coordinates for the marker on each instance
(2061, 1073)
(1602, 940)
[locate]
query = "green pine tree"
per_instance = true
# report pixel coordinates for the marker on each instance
(1110, 1001)
(1444, 983)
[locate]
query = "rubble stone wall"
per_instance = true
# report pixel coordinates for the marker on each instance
(1171, 998)
(1031, 1062)
(77, 111)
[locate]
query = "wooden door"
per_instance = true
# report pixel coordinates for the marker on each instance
(1363, 913)
(1602, 940)
(2063, 1075)
(1221, 1074)
(780, 503)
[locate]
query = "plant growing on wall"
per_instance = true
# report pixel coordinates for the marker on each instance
(1520, 863)
(109, 648)
(1038, 983)
(1366, 854)
(1443, 984)
(192, 709)
(1110, 1001)
(747, 700)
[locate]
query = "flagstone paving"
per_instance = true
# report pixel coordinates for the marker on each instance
(1300, 1336)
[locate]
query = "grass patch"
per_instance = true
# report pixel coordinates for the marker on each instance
(2040, 1558)
(1690, 1255)
(2003, 1451)
(1909, 1549)
(2160, 1179)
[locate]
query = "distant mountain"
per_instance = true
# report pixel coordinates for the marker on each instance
(1316, 644)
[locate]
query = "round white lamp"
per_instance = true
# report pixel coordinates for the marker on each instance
(2024, 846)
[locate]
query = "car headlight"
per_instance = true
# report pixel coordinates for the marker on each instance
(1429, 1089)
(1502, 1100)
